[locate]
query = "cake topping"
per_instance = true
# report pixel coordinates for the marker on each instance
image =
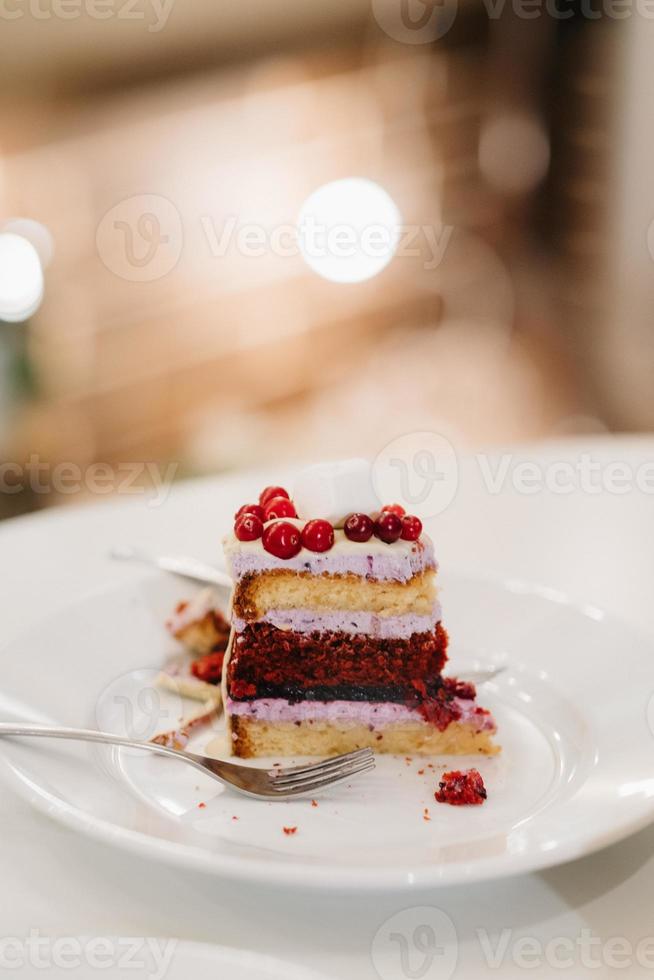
(394, 509)
(388, 527)
(334, 490)
(249, 509)
(282, 539)
(359, 527)
(269, 492)
(248, 527)
(318, 535)
(277, 507)
(328, 497)
(461, 788)
(411, 528)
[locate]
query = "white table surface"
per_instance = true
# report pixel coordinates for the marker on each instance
(597, 548)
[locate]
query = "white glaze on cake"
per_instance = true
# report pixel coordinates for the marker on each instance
(373, 559)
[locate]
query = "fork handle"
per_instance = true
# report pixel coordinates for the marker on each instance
(8, 729)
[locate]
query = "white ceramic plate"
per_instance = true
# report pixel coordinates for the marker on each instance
(575, 773)
(151, 958)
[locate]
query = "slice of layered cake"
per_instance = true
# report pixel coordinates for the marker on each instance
(337, 641)
(203, 634)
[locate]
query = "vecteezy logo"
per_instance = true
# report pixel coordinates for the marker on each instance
(140, 239)
(418, 470)
(417, 944)
(136, 706)
(415, 21)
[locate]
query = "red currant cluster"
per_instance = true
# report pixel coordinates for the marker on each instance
(282, 539)
(391, 524)
(285, 540)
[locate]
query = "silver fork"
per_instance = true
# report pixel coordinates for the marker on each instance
(264, 784)
(182, 565)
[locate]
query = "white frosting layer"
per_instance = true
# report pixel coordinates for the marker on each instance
(374, 559)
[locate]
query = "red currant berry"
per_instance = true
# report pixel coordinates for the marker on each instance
(271, 492)
(411, 528)
(278, 507)
(394, 509)
(282, 539)
(359, 527)
(248, 527)
(388, 527)
(256, 509)
(318, 535)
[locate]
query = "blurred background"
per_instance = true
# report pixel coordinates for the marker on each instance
(174, 307)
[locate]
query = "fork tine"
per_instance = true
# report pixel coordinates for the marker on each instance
(326, 768)
(318, 784)
(323, 766)
(312, 779)
(321, 762)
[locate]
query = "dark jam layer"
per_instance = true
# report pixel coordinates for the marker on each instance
(437, 703)
(267, 658)
(294, 694)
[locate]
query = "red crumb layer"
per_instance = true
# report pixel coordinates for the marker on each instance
(265, 655)
(461, 788)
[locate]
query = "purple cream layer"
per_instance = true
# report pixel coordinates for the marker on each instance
(277, 710)
(353, 621)
(397, 562)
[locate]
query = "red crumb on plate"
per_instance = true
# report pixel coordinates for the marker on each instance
(289, 831)
(421, 772)
(234, 818)
(425, 815)
(202, 805)
(314, 803)
(461, 788)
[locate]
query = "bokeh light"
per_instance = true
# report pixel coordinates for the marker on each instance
(348, 230)
(35, 233)
(514, 152)
(21, 278)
